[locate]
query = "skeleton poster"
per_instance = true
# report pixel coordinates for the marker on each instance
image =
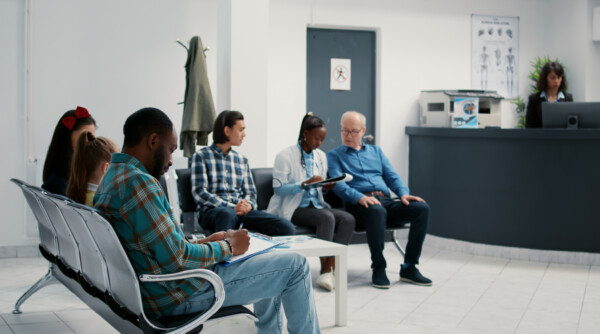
(495, 54)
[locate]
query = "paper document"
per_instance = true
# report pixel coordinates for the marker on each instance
(258, 244)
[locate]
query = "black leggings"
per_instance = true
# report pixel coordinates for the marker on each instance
(332, 224)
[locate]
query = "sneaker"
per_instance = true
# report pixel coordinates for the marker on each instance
(412, 275)
(326, 281)
(380, 280)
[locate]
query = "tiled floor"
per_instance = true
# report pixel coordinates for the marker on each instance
(471, 294)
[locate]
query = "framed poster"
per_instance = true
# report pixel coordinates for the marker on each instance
(495, 54)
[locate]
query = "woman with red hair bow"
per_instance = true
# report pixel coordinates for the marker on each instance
(60, 152)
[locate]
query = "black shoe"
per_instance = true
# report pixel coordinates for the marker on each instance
(412, 275)
(380, 280)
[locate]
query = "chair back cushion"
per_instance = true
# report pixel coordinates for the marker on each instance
(333, 200)
(68, 251)
(163, 183)
(45, 228)
(93, 267)
(122, 279)
(263, 180)
(184, 186)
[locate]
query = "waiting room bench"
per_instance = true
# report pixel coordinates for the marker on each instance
(85, 255)
(263, 180)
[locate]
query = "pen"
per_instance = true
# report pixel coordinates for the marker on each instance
(241, 226)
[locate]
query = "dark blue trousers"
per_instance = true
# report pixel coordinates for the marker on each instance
(223, 219)
(393, 213)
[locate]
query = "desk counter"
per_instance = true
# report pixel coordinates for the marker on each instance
(530, 188)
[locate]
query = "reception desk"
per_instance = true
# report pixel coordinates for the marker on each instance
(530, 188)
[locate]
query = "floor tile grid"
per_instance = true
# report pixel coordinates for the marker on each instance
(475, 305)
(437, 285)
(589, 321)
(520, 312)
(530, 295)
(556, 305)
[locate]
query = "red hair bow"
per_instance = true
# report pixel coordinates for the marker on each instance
(69, 121)
(81, 112)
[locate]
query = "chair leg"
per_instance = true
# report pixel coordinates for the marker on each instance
(42, 282)
(397, 243)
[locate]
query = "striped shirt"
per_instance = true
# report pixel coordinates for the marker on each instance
(221, 180)
(135, 204)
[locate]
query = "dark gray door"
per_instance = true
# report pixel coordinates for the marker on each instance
(357, 45)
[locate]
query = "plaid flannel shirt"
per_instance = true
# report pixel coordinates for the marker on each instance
(221, 180)
(135, 204)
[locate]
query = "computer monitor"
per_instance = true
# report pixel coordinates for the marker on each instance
(571, 115)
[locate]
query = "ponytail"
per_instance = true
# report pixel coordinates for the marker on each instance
(310, 121)
(89, 153)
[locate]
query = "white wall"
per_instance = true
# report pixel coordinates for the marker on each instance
(423, 45)
(11, 126)
(286, 73)
(570, 42)
(592, 83)
(248, 63)
(117, 56)
(112, 57)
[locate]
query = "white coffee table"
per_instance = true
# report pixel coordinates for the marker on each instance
(317, 247)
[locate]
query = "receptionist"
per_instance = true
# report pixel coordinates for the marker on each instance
(552, 87)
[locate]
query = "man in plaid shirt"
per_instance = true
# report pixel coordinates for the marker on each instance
(133, 201)
(223, 187)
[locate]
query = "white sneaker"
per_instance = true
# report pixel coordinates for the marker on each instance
(326, 281)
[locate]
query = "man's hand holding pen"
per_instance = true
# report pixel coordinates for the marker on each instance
(239, 240)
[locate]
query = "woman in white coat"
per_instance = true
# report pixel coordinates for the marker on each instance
(295, 168)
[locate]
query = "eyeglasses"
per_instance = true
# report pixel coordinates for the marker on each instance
(354, 133)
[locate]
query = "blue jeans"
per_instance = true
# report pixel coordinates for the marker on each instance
(392, 212)
(225, 218)
(268, 281)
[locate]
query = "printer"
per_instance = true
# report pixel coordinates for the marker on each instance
(479, 108)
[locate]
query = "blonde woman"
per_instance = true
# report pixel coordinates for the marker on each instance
(90, 161)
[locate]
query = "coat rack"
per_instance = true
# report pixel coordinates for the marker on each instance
(206, 48)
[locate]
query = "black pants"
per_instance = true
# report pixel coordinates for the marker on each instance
(392, 212)
(223, 219)
(332, 224)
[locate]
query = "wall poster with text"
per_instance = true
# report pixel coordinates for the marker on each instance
(495, 54)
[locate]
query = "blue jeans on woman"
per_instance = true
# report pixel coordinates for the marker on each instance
(269, 281)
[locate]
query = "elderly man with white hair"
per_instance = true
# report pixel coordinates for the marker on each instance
(368, 198)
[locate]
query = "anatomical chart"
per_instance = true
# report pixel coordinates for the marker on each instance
(495, 54)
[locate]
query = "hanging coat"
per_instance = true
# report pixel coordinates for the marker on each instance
(198, 108)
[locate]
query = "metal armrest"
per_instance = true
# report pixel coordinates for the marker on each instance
(212, 278)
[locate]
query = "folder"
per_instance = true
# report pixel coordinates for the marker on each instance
(258, 244)
(342, 178)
